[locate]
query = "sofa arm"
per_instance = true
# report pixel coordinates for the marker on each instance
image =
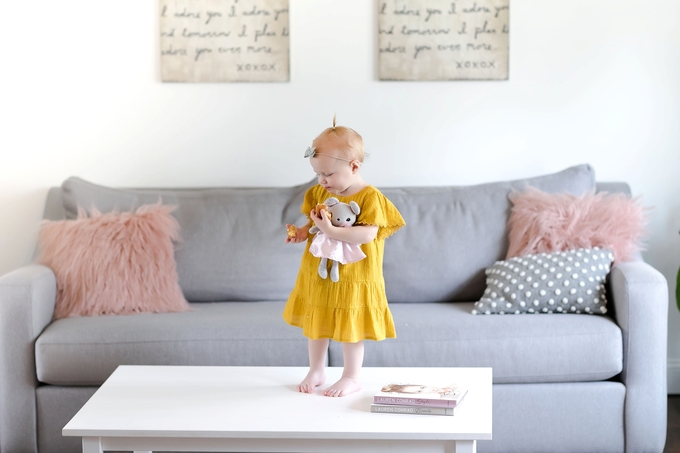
(27, 297)
(640, 295)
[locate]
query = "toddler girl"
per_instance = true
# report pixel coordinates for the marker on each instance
(354, 308)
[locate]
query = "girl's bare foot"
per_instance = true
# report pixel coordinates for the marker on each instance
(345, 386)
(311, 381)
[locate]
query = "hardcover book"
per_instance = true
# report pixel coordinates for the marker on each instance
(420, 395)
(418, 410)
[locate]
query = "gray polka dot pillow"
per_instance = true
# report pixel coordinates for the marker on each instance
(559, 282)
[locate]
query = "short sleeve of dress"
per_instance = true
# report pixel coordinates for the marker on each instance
(379, 211)
(309, 201)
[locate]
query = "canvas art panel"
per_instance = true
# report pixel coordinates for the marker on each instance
(443, 40)
(224, 40)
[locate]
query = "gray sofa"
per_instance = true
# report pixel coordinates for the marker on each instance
(562, 382)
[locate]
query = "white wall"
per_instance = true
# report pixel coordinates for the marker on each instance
(595, 82)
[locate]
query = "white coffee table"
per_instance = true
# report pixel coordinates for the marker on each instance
(257, 409)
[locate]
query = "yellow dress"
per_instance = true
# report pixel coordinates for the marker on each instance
(354, 308)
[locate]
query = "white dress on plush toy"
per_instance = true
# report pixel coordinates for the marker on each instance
(343, 252)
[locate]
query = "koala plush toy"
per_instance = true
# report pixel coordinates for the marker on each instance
(342, 215)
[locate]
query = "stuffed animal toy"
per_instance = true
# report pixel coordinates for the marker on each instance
(341, 215)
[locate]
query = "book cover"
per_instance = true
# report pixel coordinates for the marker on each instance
(420, 395)
(417, 410)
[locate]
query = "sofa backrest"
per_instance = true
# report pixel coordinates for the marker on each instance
(233, 238)
(454, 233)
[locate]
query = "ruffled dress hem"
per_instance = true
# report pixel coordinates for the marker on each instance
(348, 325)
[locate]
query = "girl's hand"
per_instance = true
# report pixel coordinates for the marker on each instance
(321, 221)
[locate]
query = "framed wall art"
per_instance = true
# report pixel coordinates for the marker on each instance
(224, 40)
(443, 40)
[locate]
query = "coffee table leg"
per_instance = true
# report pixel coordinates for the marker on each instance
(92, 445)
(462, 446)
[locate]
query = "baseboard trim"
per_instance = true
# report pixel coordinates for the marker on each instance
(673, 376)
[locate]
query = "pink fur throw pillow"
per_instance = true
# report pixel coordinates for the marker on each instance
(543, 222)
(116, 263)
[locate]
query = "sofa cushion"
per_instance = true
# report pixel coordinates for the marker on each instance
(85, 351)
(113, 263)
(545, 348)
(543, 222)
(453, 233)
(233, 239)
(563, 282)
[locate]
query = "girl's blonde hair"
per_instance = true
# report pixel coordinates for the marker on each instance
(340, 139)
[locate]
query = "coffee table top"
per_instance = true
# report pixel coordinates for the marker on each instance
(262, 402)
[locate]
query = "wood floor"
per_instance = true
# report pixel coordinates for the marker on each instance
(673, 429)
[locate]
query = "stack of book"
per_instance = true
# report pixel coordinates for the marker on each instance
(418, 399)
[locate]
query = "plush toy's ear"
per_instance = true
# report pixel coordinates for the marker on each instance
(332, 201)
(354, 207)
